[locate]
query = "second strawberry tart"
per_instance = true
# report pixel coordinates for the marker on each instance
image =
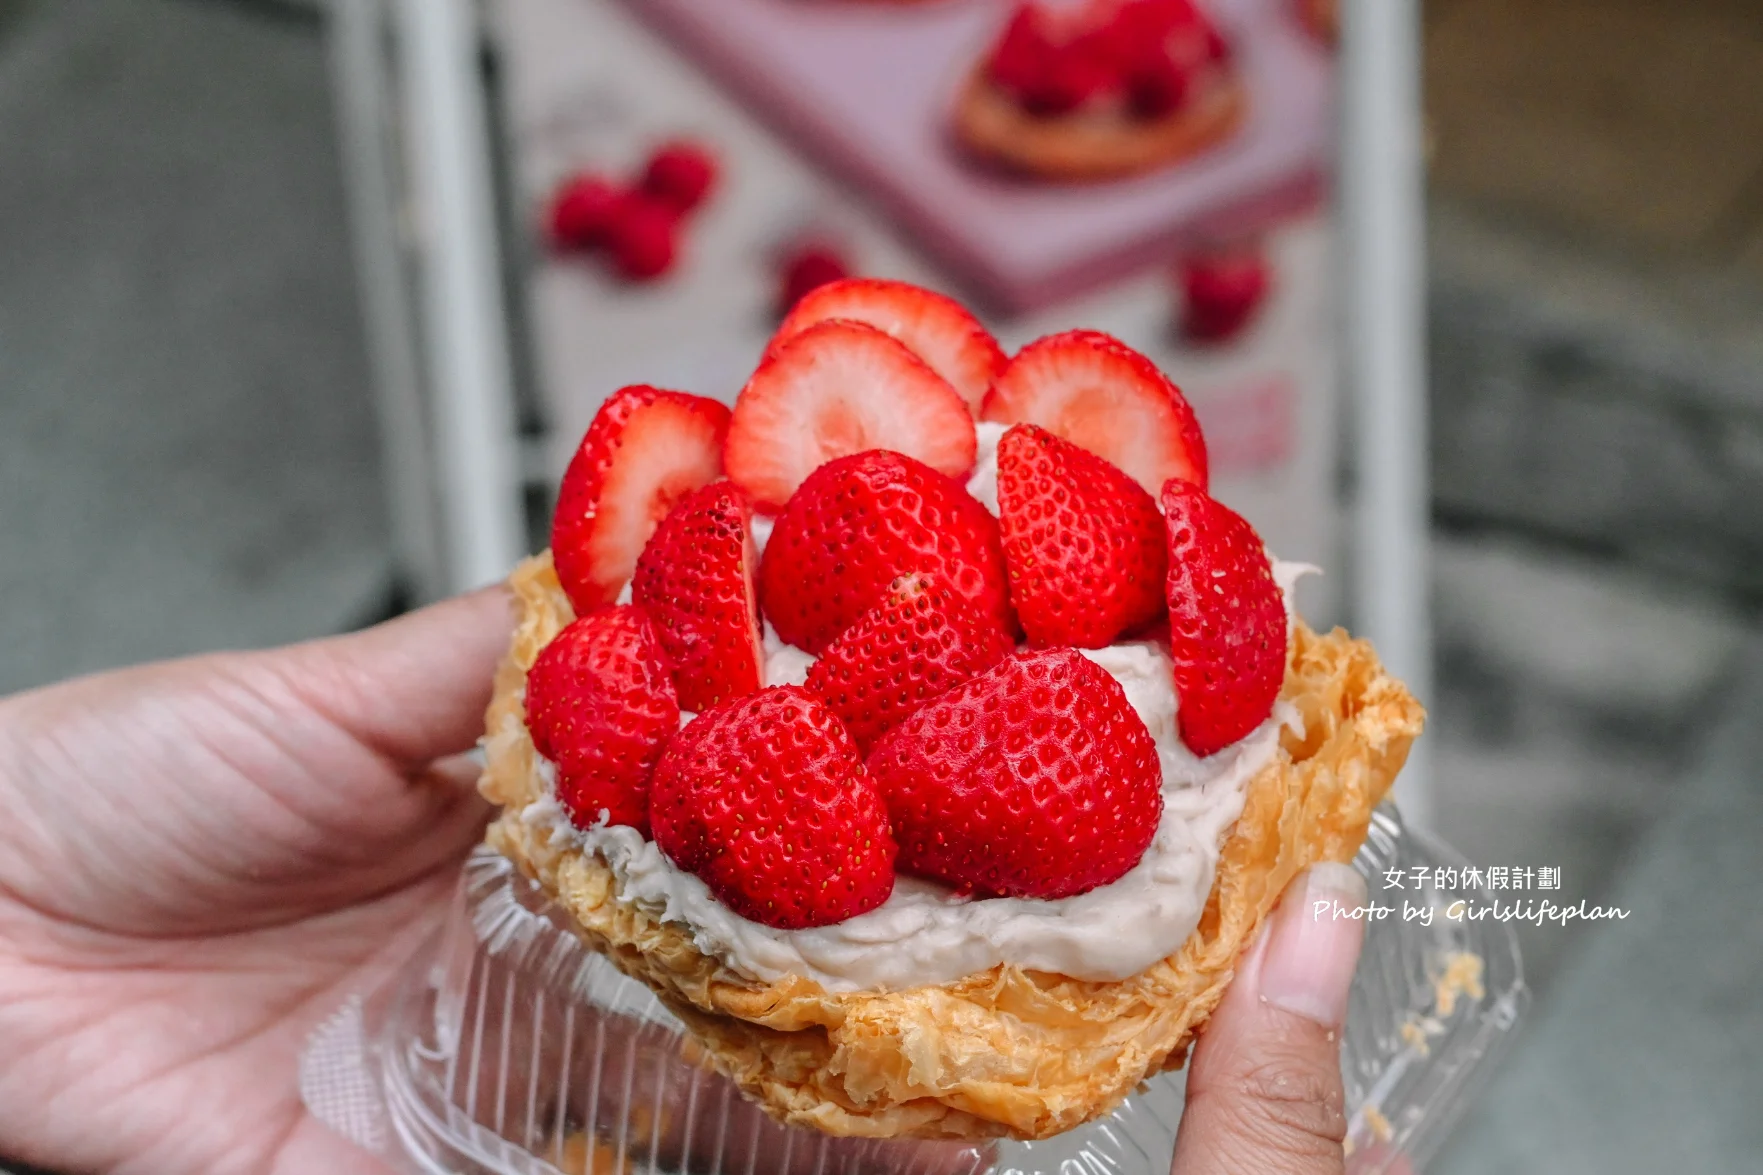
(922, 732)
(1111, 88)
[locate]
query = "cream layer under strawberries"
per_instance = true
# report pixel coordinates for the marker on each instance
(924, 933)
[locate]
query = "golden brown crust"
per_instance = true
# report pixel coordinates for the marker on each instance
(1003, 1051)
(1095, 145)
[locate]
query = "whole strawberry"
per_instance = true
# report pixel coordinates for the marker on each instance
(920, 643)
(600, 705)
(1083, 542)
(765, 799)
(645, 448)
(1035, 779)
(1227, 621)
(859, 523)
(695, 578)
(1221, 293)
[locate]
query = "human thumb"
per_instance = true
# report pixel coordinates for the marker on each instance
(1264, 1089)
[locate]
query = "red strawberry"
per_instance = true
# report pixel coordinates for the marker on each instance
(1095, 391)
(835, 389)
(1227, 621)
(583, 210)
(643, 238)
(1221, 292)
(696, 580)
(600, 705)
(1083, 543)
(805, 267)
(933, 327)
(646, 448)
(766, 800)
(858, 524)
(680, 175)
(1035, 779)
(1156, 87)
(1045, 68)
(919, 643)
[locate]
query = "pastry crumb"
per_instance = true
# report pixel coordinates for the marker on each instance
(1380, 1125)
(1461, 976)
(1413, 1034)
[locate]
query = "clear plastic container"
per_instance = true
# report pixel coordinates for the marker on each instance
(508, 1047)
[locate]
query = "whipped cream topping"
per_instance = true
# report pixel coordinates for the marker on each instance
(924, 933)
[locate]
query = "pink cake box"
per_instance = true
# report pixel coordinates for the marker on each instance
(867, 89)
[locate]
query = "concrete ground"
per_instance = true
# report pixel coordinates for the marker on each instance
(188, 461)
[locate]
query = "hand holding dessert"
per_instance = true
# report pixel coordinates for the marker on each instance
(921, 730)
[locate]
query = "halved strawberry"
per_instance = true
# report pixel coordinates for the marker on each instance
(1083, 542)
(922, 641)
(766, 800)
(858, 524)
(834, 389)
(936, 328)
(1096, 392)
(600, 705)
(1227, 621)
(646, 449)
(696, 580)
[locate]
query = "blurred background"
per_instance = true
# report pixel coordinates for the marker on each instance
(221, 308)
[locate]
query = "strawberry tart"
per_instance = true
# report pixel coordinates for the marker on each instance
(921, 731)
(1109, 88)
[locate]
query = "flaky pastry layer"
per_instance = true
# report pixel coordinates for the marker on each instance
(1094, 145)
(1004, 1051)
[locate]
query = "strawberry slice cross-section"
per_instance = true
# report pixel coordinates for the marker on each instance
(933, 326)
(1098, 393)
(834, 389)
(646, 449)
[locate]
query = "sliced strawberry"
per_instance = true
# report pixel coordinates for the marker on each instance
(858, 524)
(921, 642)
(1221, 293)
(1035, 779)
(834, 389)
(645, 450)
(1083, 542)
(696, 580)
(1096, 392)
(934, 327)
(766, 800)
(600, 705)
(1227, 621)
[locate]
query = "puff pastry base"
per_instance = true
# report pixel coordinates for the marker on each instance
(1005, 1051)
(1099, 145)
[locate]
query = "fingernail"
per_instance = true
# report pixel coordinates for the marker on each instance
(1313, 944)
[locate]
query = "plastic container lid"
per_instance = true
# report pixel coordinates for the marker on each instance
(508, 1047)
